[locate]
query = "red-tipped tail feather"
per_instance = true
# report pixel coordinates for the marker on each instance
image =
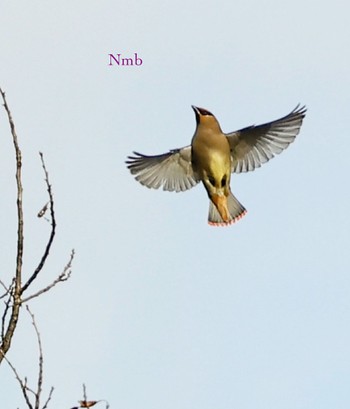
(224, 211)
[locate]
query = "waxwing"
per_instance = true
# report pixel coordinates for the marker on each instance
(213, 156)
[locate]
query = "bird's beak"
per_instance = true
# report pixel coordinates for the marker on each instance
(220, 202)
(197, 113)
(195, 109)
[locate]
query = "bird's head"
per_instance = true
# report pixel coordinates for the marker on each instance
(206, 119)
(200, 112)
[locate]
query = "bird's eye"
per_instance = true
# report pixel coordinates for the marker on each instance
(211, 180)
(223, 181)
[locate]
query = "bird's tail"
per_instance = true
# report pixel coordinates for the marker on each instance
(226, 211)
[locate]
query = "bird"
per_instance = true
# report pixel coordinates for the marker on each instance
(211, 158)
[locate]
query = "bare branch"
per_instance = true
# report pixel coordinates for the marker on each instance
(22, 384)
(84, 392)
(8, 294)
(7, 290)
(4, 315)
(41, 361)
(13, 298)
(64, 276)
(49, 398)
(53, 229)
(6, 340)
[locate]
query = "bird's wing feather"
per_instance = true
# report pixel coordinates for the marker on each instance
(172, 170)
(255, 145)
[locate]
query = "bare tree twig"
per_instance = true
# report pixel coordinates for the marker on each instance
(27, 387)
(41, 361)
(53, 229)
(6, 310)
(23, 385)
(7, 338)
(8, 294)
(7, 303)
(64, 276)
(84, 392)
(48, 398)
(7, 290)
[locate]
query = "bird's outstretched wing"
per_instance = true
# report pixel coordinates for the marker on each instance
(255, 145)
(172, 170)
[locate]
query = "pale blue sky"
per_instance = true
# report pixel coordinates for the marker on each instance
(162, 310)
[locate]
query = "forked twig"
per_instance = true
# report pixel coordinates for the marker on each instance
(23, 383)
(53, 229)
(64, 276)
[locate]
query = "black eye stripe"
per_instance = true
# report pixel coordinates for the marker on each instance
(204, 112)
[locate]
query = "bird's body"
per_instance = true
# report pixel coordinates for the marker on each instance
(211, 162)
(211, 158)
(210, 155)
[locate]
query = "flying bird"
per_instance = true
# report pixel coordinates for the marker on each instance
(213, 156)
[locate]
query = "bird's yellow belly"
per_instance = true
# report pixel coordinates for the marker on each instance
(211, 160)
